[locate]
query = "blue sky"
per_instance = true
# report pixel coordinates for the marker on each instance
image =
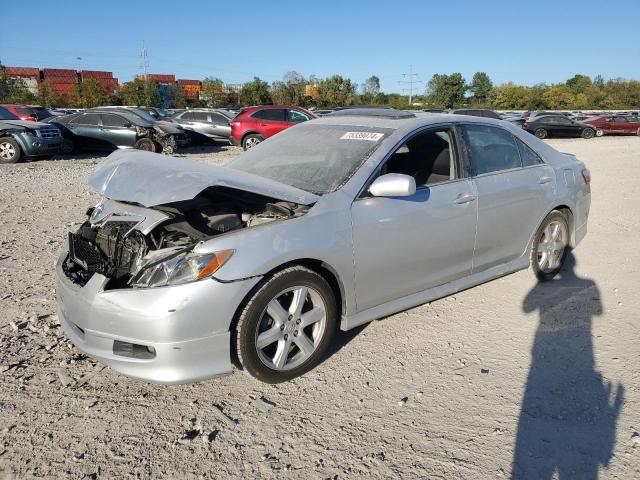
(522, 41)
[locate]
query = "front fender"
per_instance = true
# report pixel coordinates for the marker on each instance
(325, 237)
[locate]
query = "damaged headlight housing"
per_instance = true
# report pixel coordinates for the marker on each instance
(182, 268)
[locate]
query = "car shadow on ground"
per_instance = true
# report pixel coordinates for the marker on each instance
(567, 424)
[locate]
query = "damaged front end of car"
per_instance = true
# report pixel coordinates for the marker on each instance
(140, 237)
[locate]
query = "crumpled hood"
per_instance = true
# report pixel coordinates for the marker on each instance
(26, 124)
(168, 127)
(151, 179)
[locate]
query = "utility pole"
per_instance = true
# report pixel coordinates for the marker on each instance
(409, 80)
(144, 61)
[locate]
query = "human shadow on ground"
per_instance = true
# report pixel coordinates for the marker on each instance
(567, 423)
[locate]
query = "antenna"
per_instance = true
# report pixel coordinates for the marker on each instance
(144, 60)
(410, 76)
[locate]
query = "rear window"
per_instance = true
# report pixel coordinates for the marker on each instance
(270, 114)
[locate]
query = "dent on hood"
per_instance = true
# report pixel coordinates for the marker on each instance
(150, 179)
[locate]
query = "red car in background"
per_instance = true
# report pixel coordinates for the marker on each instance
(254, 124)
(618, 124)
(22, 112)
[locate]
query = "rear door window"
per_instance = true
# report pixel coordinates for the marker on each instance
(276, 114)
(491, 149)
(296, 116)
(111, 120)
(218, 119)
(92, 119)
(528, 156)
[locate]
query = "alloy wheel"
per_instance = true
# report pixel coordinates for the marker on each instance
(7, 151)
(251, 142)
(291, 328)
(551, 246)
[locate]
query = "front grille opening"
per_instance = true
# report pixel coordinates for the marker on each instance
(132, 350)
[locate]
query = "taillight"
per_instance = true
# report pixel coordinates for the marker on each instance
(586, 176)
(31, 118)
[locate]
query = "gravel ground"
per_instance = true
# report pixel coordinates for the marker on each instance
(458, 388)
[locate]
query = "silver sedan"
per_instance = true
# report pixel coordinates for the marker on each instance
(183, 267)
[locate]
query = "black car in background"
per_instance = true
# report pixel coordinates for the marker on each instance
(108, 129)
(558, 126)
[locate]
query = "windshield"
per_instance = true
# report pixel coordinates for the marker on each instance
(7, 115)
(315, 158)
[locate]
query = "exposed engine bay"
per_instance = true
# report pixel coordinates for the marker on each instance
(119, 247)
(169, 139)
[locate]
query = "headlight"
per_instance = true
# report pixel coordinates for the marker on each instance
(183, 268)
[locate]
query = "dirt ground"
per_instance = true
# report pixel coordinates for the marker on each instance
(508, 379)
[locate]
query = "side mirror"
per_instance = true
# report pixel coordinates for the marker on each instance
(393, 185)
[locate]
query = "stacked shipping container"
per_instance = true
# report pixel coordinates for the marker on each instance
(104, 79)
(30, 76)
(61, 81)
(190, 88)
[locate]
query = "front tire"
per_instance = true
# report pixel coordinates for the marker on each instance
(286, 326)
(588, 133)
(145, 144)
(541, 133)
(550, 246)
(10, 151)
(251, 141)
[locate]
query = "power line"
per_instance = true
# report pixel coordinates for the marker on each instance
(411, 80)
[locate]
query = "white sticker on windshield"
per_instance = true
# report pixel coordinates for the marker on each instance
(370, 136)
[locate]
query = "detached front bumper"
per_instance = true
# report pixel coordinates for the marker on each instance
(177, 334)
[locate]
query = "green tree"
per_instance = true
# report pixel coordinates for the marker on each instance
(213, 94)
(578, 83)
(4, 85)
(508, 96)
(446, 91)
(89, 93)
(480, 88)
(336, 91)
(255, 92)
(47, 97)
(141, 92)
(371, 91)
(559, 97)
(19, 92)
(289, 91)
(175, 97)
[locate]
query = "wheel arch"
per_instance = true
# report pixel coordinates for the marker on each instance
(246, 134)
(322, 268)
(568, 213)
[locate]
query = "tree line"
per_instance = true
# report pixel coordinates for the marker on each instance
(443, 91)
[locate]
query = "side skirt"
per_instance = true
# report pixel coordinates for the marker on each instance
(425, 296)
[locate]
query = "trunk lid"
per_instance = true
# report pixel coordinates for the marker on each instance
(151, 179)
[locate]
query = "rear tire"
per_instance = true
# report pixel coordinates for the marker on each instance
(638, 132)
(145, 144)
(588, 133)
(600, 132)
(251, 141)
(286, 325)
(10, 151)
(550, 246)
(541, 133)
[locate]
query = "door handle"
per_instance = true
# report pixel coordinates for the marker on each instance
(543, 180)
(464, 198)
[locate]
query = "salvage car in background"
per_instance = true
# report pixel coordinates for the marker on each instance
(20, 139)
(330, 224)
(109, 129)
(558, 126)
(615, 124)
(254, 124)
(213, 124)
